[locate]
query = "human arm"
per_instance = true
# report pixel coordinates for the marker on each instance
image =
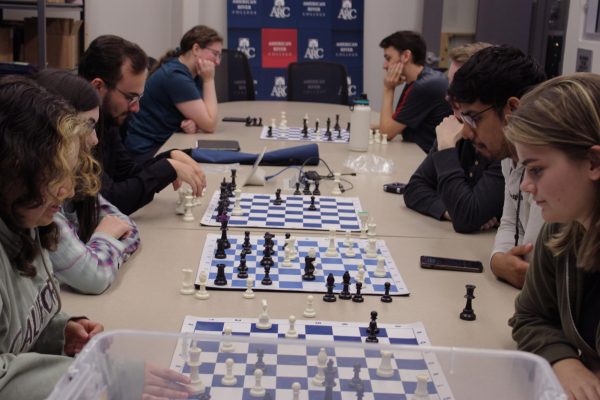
(78, 332)
(578, 382)
(204, 111)
(421, 194)
(387, 123)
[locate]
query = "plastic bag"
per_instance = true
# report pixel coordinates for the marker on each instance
(369, 163)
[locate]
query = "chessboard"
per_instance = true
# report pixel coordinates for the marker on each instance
(295, 134)
(283, 364)
(339, 213)
(290, 278)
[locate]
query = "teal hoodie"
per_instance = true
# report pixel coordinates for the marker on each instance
(31, 326)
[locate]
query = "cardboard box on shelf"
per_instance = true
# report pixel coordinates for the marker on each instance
(6, 44)
(62, 42)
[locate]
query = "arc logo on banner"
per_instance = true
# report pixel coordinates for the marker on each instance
(244, 47)
(313, 51)
(347, 12)
(279, 87)
(280, 10)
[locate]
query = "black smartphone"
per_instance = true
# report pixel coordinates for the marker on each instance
(395, 187)
(232, 145)
(451, 264)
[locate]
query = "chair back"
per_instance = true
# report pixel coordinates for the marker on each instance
(233, 77)
(317, 82)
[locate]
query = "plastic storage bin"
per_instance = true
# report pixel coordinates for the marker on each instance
(112, 366)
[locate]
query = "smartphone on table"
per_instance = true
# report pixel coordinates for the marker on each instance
(451, 264)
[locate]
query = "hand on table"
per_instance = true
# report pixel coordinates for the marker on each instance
(511, 266)
(78, 333)
(578, 382)
(188, 126)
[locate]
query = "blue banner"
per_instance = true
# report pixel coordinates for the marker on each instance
(280, 14)
(248, 42)
(272, 84)
(347, 48)
(348, 14)
(314, 45)
(243, 14)
(316, 13)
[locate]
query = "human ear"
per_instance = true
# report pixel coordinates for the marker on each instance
(594, 156)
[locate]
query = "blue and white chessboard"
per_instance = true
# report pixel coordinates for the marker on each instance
(295, 133)
(290, 278)
(339, 213)
(288, 363)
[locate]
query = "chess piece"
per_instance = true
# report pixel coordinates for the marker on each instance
(360, 274)
(372, 331)
(180, 207)
(380, 271)
(270, 131)
(371, 248)
(306, 191)
(374, 321)
(188, 216)
(263, 319)
(386, 298)
(187, 285)
(329, 383)
(467, 313)
(257, 390)
(202, 294)
(296, 391)
(249, 293)
(297, 192)
(287, 257)
(316, 125)
(329, 297)
(385, 369)
(372, 230)
(304, 128)
(242, 268)
(226, 344)
(312, 206)
(363, 216)
(278, 200)
(220, 252)
(336, 184)
(228, 379)
(309, 269)
(331, 250)
(266, 280)
(384, 138)
(220, 279)
(355, 382)
(345, 293)
(337, 127)
(247, 246)
(309, 311)
(350, 247)
(421, 392)
(319, 378)
(357, 297)
(260, 363)
(291, 332)
(316, 192)
(196, 385)
(224, 238)
(237, 209)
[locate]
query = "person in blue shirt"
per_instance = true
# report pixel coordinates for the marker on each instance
(180, 94)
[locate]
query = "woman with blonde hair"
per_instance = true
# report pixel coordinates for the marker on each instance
(556, 132)
(180, 94)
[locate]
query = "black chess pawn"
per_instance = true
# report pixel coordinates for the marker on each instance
(270, 131)
(297, 192)
(260, 364)
(260, 122)
(220, 252)
(248, 121)
(254, 122)
(360, 392)
(329, 383)
(345, 293)
(306, 190)
(374, 319)
(266, 280)
(242, 268)
(220, 279)
(224, 239)
(348, 127)
(339, 135)
(467, 313)
(316, 126)
(328, 131)
(267, 260)
(355, 382)
(312, 206)
(337, 123)
(247, 246)
(278, 200)
(372, 331)
(304, 128)
(358, 297)
(386, 298)
(316, 192)
(309, 269)
(329, 297)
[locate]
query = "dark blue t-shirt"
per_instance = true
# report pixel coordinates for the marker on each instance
(158, 117)
(422, 106)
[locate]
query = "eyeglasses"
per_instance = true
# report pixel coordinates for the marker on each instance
(218, 55)
(131, 98)
(471, 119)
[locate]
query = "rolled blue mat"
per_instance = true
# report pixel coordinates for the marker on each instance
(307, 154)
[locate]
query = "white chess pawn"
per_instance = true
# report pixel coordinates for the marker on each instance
(291, 332)
(309, 311)
(350, 248)
(385, 369)
(360, 274)
(228, 379)
(226, 344)
(384, 138)
(380, 270)
(421, 392)
(371, 249)
(187, 286)
(296, 391)
(257, 390)
(196, 385)
(331, 250)
(287, 258)
(336, 184)
(188, 216)
(202, 294)
(237, 209)
(249, 293)
(180, 208)
(263, 319)
(377, 136)
(347, 234)
(319, 378)
(372, 229)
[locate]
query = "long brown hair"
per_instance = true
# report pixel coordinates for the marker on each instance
(564, 113)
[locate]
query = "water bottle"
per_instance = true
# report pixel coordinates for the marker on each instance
(360, 124)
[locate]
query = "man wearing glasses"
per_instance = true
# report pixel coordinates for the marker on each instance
(454, 182)
(117, 69)
(421, 106)
(180, 93)
(486, 90)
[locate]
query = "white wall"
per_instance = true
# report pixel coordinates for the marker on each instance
(575, 39)
(459, 16)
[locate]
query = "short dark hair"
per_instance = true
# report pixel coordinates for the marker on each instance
(105, 56)
(78, 92)
(494, 74)
(31, 151)
(407, 40)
